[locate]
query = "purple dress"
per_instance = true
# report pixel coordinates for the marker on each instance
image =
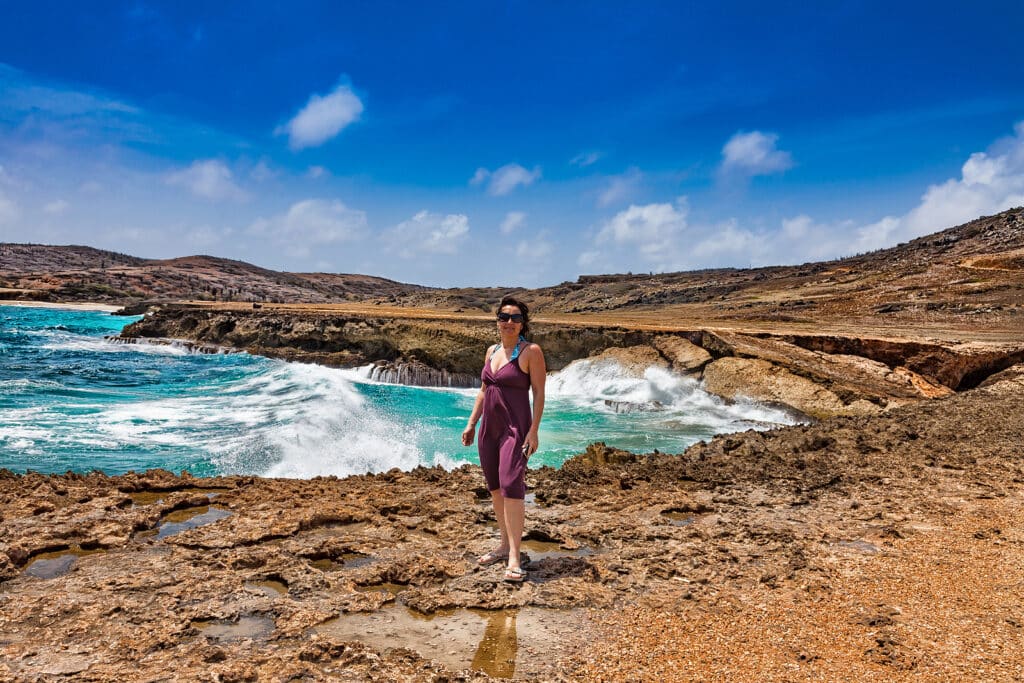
(506, 421)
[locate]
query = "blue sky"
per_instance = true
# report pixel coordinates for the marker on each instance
(516, 143)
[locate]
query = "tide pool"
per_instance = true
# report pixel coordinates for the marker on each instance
(71, 400)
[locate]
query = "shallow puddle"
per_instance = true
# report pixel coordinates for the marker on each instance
(57, 563)
(343, 561)
(392, 588)
(501, 643)
(269, 587)
(245, 627)
(147, 497)
(541, 550)
(189, 518)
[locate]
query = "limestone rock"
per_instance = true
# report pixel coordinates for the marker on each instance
(683, 355)
(761, 380)
(634, 360)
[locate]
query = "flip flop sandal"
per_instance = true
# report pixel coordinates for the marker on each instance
(491, 558)
(515, 575)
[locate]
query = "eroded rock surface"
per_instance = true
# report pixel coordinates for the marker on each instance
(247, 595)
(818, 375)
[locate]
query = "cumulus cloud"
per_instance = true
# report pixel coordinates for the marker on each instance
(653, 230)
(310, 223)
(9, 211)
(584, 159)
(754, 153)
(660, 236)
(503, 180)
(262, 172)
(56, 207)
(430, 233)
(209, 179)
(989, 182)
(534, 250)
(323, 117)
(620, 188)
(513, 220)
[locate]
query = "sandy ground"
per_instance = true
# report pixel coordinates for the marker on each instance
(85, 306)
(943, 604)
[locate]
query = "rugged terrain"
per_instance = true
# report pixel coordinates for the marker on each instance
(861, 548)
(881, 542)
(972, 274)
(36, 272)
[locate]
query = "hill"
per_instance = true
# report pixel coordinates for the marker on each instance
(75, 273)
(971, 272)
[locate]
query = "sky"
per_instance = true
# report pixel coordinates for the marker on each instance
(506, 143)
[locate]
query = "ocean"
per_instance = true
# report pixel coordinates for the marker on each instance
(72, 400)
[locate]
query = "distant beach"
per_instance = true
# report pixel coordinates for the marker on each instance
(77, 306)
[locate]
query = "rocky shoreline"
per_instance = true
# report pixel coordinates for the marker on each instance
(816, 374)
(162, 577)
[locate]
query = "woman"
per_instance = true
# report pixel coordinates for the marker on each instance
(508, 432)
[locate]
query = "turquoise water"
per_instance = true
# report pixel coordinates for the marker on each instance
(71, 400)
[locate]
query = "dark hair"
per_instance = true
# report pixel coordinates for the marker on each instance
(509, 300)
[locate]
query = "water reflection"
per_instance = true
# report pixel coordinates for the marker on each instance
(496, 654)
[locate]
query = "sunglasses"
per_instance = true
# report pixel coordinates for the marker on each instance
(514, 317)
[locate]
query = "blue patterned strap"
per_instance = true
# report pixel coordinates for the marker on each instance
(515, 351)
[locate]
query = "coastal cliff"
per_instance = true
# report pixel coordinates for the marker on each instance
(818, 375)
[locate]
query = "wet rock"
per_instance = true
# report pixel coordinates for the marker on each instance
(632, 361)
(788, 512)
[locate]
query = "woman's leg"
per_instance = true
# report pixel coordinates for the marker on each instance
(498, 501)
(515, 520)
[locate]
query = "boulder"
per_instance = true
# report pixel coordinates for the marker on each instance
(634, 360)
(683, 355)
(761, 380)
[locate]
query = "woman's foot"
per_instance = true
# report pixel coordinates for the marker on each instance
(515, 574)
(492, 557)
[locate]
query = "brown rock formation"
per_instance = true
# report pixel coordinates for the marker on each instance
(827, 374)
(734, 378)
(144, 576)
(682, 355)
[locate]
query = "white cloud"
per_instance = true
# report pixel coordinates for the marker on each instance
(209, 179)
(533, 250)
(322, 118)
(653, 230)
(503, 180)
(262, 172)
(479, 176)
(204, 237)
(620, 188)
(584, 159)
(754, 153)
(9, 211)
(513, 220)
(589, 258)
(310, 223)
(428, 232)
(989, 182)
(56, 207)
(660, 237)
(315, 172)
